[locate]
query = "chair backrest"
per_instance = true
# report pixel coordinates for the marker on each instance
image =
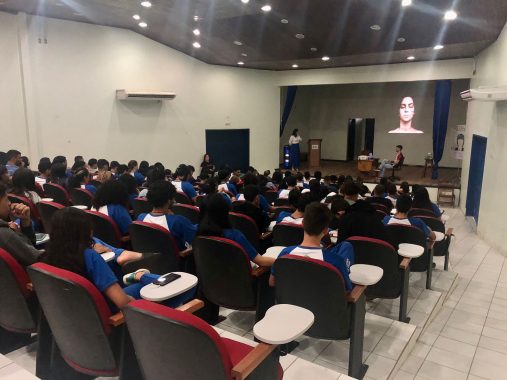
(279, 209)
(225, 272)
(199, 200)
(46, 211)
(380, 214)
(380, 207)
(318, 287)
(420, 212)
(188, 211)
(271, 196)
(57, 192)
(15, 311)
(247, 226)
(105, 228)
(440, 248)
(382, 254)
(39, 190)
(81, 197)
(34, 212)
(281, 202)
(400, 163)
(77, 314)
(181, 197)
(140, 206)
(149, 237)
(287, 234)
(402, 233)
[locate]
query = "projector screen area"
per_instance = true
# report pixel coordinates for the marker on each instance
(402, 113)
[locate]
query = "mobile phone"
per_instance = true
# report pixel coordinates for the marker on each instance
(166, 279)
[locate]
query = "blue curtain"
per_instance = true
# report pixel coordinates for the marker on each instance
(289, 102)
(440, 117)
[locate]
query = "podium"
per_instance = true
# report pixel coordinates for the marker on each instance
(314, 146)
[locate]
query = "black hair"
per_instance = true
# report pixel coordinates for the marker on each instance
(11, 154)
(400, 147)
(214, 216)
(182, 171)
(379, 190)
(78, 158)
(303, 201)
(295, 132)
(131, 165)
(291, 181)
(277, 177)
(59, 160)
(76, 180)
(350, 188)
(155, 173)
(58, 171)
(318, 175)
(103, 164)
(294, 196)
(111, 192)
(78, 165)
(317, 218)
(114, 164)
(314, 186)
(307, 175)
(210, 187)
(404, 203)
(338, 204)
(43, 166)
(3, 158)
(143, 168)
(250, 179)
(71, 231)
(421, 198)
(129, 182)
(23, 180)
(25, 161)
(222, 175)
(161, 192)
(122, 169)
(391, 189)
(92, 161)
(405, 187)
(250, 192)
(3, 170)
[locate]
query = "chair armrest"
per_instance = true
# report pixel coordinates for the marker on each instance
(266, 235)
(257, 272)
(356, 293)
(251, 361)
(125, 238)
(405, 263)
(186, 252)
(191, 306)
(450, 232)
(117, 319)
(29, 286)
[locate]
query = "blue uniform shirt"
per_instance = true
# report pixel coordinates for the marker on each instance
(239, 238)
(98, 271)
(180, 227)
(188, 189)
(121, 216)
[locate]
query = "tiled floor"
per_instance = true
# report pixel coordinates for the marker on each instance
(13, 371)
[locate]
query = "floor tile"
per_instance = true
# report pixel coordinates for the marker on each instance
(433, 371)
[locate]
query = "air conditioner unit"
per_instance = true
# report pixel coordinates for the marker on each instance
(144, 95)
(485, 94)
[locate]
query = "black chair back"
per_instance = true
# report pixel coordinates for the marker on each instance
(402, 233)
(287, 234)
(58, 193)
(188, 211)
(271, 196)
(441, 247)
(247, 226)
(182, 198)
(420, 212)
(81, 197)
(281, 202)
(46, 211)
(278, 210)
(105, 228)
(140, 206)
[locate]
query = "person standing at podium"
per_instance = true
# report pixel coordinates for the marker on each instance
(294, 141)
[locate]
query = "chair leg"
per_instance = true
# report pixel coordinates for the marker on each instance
(356, 367)
(404, 296)
(446, 261)
(44, 349)
(429, 272)
(129, 366)
(11, 341)
(265, 296)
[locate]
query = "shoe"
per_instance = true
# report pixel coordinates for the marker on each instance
(130, 278)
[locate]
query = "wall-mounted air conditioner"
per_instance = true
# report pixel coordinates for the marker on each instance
(144, 95)
(485, 94)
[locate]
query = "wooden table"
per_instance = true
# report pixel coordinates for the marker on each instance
(364, 166)
(427, 162)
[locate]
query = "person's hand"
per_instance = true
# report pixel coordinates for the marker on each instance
(13, 226)
(21, 211)
(99, 248)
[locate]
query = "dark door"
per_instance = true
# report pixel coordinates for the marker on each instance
(229, 147)
(351, 139)
(369, 135)
(475, 174)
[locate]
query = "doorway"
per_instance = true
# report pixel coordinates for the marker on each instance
(360, 137)
(475, 176)
(229, 147)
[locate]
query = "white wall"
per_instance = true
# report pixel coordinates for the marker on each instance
(70, 103)
(490, 120)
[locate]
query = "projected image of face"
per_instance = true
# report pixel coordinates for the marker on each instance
(407, 112)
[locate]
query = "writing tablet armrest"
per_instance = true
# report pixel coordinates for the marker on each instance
(185, 253)
(251, 361)
(405, 263)
(266, 235)
(117, 319)
(257, 272)
(356, 293)
(191, 306)
(450, 232)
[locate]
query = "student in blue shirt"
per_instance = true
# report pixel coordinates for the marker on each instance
(181, 183)
(341, 256)
(13, 158)
(161, 196)
(155, 174)
(301, 201)
(225, 185)
(134, 171)
(215, 222)
(251, 179)
(422, 200)
(131, 185)
(403, 206)
(80, 180)
(72, 248)
(112, 199)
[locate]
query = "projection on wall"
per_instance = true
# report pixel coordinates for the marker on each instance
(407, 113)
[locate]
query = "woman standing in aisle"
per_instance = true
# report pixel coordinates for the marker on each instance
(294, 141)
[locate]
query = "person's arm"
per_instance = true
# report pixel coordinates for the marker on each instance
(20, 247)
(21, 211)
(117, 296)
(123, 219)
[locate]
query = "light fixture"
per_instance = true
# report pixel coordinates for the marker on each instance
(294, 66)
(406, 3)
(438, 47)
(239, 43)
(244, 55)
(411, 58)
(241, 63)
(300, 36)
(401, 39)
(146, 4)
(325, 58)
(245, 1)
(142, 24)
(196, 44)
(196, 32)
(313, 49)
(136, 17)
(450, 15)
(375, 27)
(196, 18)
(266, 8)
(284, 21)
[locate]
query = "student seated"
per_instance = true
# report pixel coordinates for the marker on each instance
(92, 166)
(251, 179)
(13, 158)
(23, 184)
(59, 174)
(403, 206)
(422, 200)
(81, 180)
(16, 239)
(251, 207)
(181, 182)
(291, 184)
(71, 248)
(225, 184)
(44, 168)
(341, 256)
(215, 222)
(103, 174)
(112, 200)
(404, 188)
(297, 216)
(161, 196)
(294, 196)
(130, 184)
(155, 174)
(338, 208)
(392, 193)
(133, 170)
(379, 196)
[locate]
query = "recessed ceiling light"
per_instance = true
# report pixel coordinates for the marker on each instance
(300, 36)
(284, 21)
(196, 44)
(401, 39)
(196, 32)
(438, 47)
(142, 24)
(294, 66)
(244, 55)
(241, 63)
(406, 3)
(450, 15)
(375, 27)
(196, 18)
(239, 43)
(245, 1)
(325, 58)
(146, 4)
(136, 17)
(411, 58)
(313, 49)
(266, 8)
